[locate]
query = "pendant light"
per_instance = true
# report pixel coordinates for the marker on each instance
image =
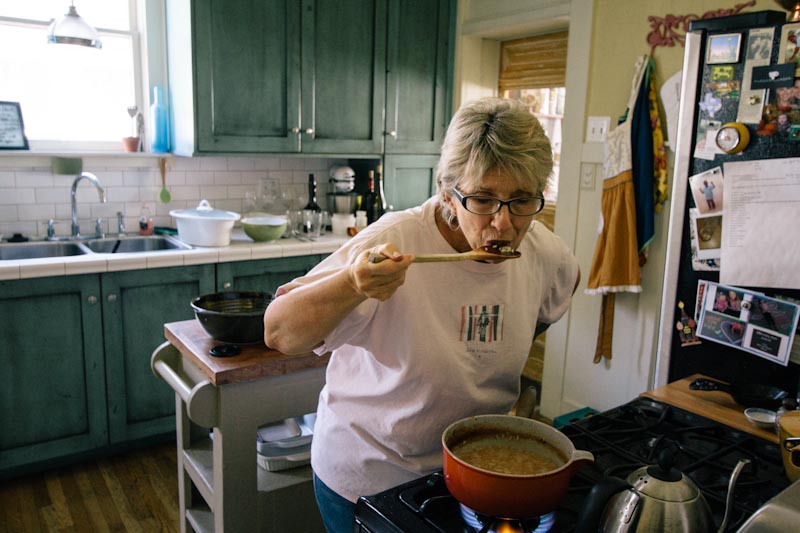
(72, 29)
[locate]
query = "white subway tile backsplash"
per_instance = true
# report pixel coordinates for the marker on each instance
(214, 192)
(30, 194)
(9, 196)
(7, 179)
(34, 179)
(213, 163)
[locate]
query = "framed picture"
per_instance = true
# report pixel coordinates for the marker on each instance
(724, 48)
(790, 47)
(12, 130)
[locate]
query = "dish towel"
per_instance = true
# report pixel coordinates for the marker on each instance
(615, 265)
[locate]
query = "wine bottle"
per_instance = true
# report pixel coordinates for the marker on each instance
(312, 204)
(381, 201)
(368, 204)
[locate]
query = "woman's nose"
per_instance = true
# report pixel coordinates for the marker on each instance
(502, 219)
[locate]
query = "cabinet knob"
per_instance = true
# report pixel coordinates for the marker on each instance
(226, 285)
(309, 131)
(295, 130)
(112, 298)
(92, 300)
(393, 134)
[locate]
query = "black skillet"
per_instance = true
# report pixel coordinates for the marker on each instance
(747, 395)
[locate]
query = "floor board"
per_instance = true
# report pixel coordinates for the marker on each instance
(137, 491)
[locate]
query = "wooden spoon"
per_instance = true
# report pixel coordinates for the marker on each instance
(165, 196)
(494, 251)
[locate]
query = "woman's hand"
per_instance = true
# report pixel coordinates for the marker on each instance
(379, 280)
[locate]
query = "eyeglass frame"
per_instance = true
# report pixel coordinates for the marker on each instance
(463, 200)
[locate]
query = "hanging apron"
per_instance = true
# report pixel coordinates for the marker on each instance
(615, 266)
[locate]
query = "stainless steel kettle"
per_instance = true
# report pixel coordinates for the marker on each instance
(653, 498)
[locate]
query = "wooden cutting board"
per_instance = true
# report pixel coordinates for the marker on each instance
(256, 360)
(716, 405)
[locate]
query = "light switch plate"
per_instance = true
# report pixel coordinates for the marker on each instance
(596, 129)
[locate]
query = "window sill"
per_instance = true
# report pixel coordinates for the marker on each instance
(42, 158)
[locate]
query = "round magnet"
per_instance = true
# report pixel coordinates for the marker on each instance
(733, 137)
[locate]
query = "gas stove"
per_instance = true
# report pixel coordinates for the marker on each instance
(622, 440)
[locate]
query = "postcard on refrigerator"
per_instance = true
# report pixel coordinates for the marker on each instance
(748, 321)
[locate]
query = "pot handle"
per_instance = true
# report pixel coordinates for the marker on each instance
(595, 504)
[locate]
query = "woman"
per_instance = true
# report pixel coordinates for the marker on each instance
(415, 348)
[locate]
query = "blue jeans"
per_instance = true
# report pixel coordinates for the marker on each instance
(338, 513)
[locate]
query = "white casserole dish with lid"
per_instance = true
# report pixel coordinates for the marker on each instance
(204, 225)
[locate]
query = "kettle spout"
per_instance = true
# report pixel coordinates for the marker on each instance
(731, 487)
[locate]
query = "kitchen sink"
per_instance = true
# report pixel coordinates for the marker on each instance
(35, 250)
(135, 244)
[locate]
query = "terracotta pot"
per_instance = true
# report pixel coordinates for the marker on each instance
(501, 495)
(789, 430)
(131, 144)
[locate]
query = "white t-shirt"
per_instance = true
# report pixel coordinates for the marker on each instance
(450, 343)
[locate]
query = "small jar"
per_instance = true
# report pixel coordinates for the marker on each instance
(361, 220)
(145, 221)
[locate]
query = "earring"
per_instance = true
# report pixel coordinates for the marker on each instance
(452, 222)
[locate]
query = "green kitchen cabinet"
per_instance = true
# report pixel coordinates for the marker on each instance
(52, 388)
(418, 86)
(264, 275)
(409, 180)
(277, 75)
(136, 305)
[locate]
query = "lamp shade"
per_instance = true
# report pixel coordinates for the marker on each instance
(72, 29)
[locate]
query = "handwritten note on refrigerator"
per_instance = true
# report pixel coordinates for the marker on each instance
(762, 218)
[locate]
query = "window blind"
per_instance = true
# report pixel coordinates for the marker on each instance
(535, 62)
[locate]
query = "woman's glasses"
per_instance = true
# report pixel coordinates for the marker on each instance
(524, 206)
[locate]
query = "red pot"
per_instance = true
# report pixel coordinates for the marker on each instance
(501, 495)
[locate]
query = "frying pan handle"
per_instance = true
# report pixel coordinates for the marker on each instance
(704, 384)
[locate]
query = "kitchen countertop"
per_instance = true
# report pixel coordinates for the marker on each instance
(256, 360)
(716, 405)
(241, 248)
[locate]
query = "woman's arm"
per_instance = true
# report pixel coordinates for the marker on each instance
(299, 320)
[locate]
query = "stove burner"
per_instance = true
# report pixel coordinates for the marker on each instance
(482, 523)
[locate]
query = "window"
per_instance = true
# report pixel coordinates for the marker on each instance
(533, 70)
(72, 97)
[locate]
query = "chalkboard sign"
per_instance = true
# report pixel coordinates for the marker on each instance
(12, 130)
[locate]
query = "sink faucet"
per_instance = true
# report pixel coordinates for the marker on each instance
(100, 192)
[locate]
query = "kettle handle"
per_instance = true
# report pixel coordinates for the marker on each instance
(595, 504)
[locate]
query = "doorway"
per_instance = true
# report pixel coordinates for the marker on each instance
(533, 71)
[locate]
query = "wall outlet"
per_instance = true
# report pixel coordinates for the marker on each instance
(596, 129)
(587, 175)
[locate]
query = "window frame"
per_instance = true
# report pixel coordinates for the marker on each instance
(146, 31)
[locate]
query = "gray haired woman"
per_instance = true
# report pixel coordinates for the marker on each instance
(414, 348)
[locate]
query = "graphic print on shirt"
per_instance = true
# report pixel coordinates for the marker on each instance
(481, 323)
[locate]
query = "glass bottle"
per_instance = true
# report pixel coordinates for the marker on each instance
(383, 206)
(159, 124)
(312, 204)
(368, 203)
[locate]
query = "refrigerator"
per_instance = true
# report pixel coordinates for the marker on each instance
(730, 136)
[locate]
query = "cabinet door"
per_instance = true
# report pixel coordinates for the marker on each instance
(136, 305)
(263, 275)
(52, 388)
(417, 76)
(343, 73)
(409, 180)
(247, 84)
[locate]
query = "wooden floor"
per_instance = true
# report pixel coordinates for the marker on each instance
(134, 492)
